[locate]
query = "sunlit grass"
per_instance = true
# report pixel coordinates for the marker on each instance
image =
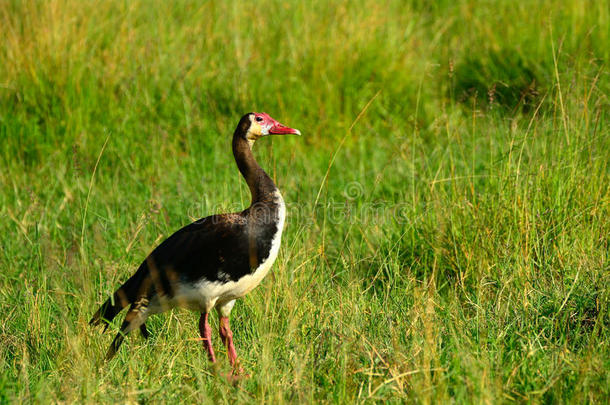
(447, 230)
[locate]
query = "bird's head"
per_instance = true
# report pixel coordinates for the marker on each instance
(255, 125)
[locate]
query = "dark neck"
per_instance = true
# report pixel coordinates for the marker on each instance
(261, 186)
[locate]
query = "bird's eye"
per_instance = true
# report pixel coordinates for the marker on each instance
(259, 119)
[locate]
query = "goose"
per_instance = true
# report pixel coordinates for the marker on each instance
(212, 262)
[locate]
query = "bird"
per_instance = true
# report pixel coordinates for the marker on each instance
(213, 261)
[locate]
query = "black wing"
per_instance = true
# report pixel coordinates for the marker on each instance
(214, 248)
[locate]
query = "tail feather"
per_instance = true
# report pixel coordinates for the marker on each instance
(110, 309)
(135, 318)
(122, 297)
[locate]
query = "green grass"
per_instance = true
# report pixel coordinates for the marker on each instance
(447, 233)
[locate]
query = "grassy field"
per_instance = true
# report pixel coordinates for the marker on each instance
(448, 203)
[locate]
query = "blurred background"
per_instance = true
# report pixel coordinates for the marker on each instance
(447, 232)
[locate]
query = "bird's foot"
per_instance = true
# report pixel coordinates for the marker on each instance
(235, 377)
(237, 374)
(240, 372)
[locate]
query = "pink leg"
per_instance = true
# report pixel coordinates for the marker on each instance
(227, 338)
(206, 334)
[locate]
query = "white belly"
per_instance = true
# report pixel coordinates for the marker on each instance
(204, 295)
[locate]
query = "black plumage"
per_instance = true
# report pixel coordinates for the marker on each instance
(213, 255)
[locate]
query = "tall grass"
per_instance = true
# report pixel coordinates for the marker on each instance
(447, 233)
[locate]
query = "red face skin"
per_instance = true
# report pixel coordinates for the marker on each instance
(269, 126)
